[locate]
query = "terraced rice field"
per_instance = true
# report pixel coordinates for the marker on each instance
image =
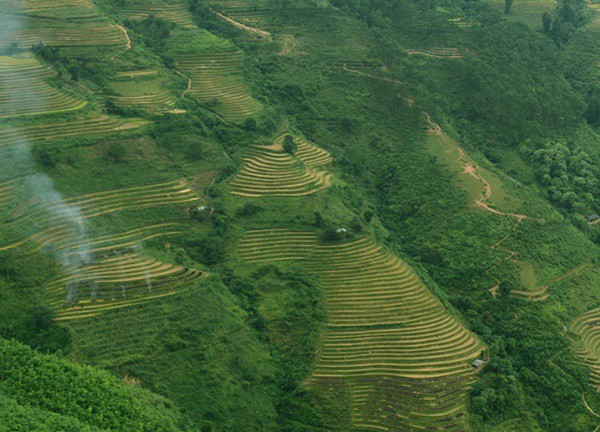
(440, 53)
(141, 73)
(528, 11)
(177, 13)
(403, 358)
(25, 92)
(254, 14)
(461, 23)
(119, 241)
(59, 224)
(113, 282)
(6, 193)
(100, 338)
(101, 125)
(219, 77)
(70, 244)
(596, 18)
(270, 171)
(46, 6)
(587, 348)
(101, 203)
(154, 103)
(56, 22)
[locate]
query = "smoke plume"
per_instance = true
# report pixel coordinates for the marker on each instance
(38, 191)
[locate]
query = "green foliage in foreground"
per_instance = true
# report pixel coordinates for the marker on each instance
(17, 418)
(83, 395)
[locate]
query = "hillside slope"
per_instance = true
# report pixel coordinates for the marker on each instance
(43, 392)
(299, 216)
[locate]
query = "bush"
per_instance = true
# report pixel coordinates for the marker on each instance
(116, 152)
(248, 209)
(289, 146)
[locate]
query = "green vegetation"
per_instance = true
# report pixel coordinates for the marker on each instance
(56, 392)
(299, 217)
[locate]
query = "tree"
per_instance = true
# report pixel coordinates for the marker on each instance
(289, 145)
(41, 317)
(547, 22)
(116, 152)
(507, 5)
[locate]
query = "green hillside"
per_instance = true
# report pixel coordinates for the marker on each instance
(44, 392)
(220, 215)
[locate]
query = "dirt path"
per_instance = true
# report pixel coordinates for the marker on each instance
(453, 55)
(551, 361)
(540, 294)
(128, 46)
(354, 71)
(262, 33)
(589, 408)
(189, 86)
(470, 169)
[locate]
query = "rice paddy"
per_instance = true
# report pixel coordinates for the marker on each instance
(217, 78)
(595, 8)
(113, 282)
(271, 171)
(64, 29)
(101, 203)
(24, 90)
(176, 13)
(528, 11)
(103, 272)
(404, 359)
(154, 103)
(587, 348)
(252, 14)
(100, 337)
(80, 128)
(439, 53)
(57, 22)
(31, 226)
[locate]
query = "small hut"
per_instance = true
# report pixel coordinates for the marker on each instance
(593, 218)
(478, 364)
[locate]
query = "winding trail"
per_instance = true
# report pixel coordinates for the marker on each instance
(551, 362)
(189, 86)
(262, 33)
(127, 46)
(540, 294)
(469, 168)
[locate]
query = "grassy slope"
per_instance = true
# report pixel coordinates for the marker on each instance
(47, 393)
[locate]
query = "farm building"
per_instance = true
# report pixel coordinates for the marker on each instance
(477, 364)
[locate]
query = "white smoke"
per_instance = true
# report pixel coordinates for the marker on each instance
(17, 161)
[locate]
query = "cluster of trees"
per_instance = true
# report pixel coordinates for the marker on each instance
(84, 394)
(155, 31)
(72, 67)
(570, 176)
(286, 308)
(561, 25)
